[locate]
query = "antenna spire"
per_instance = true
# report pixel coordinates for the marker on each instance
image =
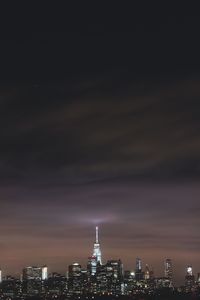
(97, 235)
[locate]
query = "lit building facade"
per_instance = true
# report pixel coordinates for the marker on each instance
(147, 273)
(44, 273)
(168, 270)
(75, 279)
(162, 282)
(97, 250)
(92, 265)
(56, 284)
(138, 270)
(110, 277)
(33, 279)
(32, 272)
(189, 278)
(114, 273)
(129, 282)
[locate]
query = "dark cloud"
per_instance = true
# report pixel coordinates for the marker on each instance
(94, 151)
(147, 130)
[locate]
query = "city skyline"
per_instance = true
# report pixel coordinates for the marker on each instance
(167, 267)
(99, 126)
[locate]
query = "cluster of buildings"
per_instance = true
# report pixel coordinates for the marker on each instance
(97, 279)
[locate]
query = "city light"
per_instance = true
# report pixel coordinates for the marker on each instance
(97, 279)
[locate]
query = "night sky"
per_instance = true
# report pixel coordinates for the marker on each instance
(100, 126)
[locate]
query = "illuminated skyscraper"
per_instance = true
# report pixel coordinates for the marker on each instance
(147, 273)
(189, 271)
(189, 278)
(114, 274)
(44, 273)
(138, 269)
(33, 279)
(40, 273)
(75, 279)
(168, 268)
(32, 273)
(138, 265)
(129, 282)
(97, 250)
(92, 265)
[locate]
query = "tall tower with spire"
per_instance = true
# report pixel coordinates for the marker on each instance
(97, 250)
